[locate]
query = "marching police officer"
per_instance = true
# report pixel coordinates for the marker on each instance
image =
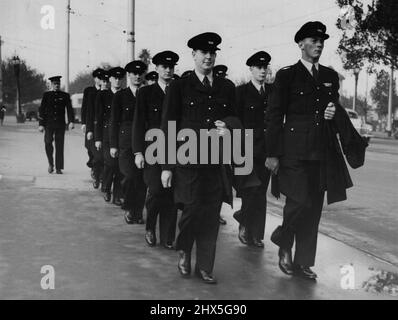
(151, 77)
(103, 103)
(98, 157)
(148, 116)
(305, 94)
(252, 107)
(88, 108)
(123, 107)
(220, 70)
(199, 101)
(52, 121)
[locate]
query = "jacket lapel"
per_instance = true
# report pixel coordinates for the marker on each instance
(307, 76)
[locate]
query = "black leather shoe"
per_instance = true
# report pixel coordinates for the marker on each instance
(50, 169)
(242, 235)
(150, 238)
(140, 220)
(107, 196)
(205, 276)
(169, 245)
(96, 184)
(184, 263)
(285, 261)
(117, 202)
(222, 221)
(238, 216)
(304, 272)
(58, 171)
(257, 243)
(128, 217)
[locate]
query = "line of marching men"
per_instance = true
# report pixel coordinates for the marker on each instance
(294, 129)
(115, 121)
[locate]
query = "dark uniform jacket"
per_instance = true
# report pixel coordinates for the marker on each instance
(191, 105)
(87, 91)
(148, 115)
(297, 130)
(122, 116)
(296, 112)
(103, 104)
(252, 109)
(52, 109)
(88, 108)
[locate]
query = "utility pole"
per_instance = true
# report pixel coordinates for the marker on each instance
(131, 30)
(390, 93)
(67, 47)
(1, 77)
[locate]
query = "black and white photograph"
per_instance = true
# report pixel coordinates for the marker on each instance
(198, 155)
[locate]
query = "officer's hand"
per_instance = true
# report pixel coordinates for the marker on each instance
(139, 160)
(89, 135)
(84, 128)
(71, 126)
(113, 152)
(98, 145)
(221, 127)
(166, 177)
(330, 111)
(41, 128)
(272, 164)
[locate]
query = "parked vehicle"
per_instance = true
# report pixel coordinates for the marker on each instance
(363, 128)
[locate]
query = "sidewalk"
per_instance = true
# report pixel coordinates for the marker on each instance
(60, 220)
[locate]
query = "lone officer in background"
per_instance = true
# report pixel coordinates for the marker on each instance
(252, 107)
(220, 71)
(122, 115)
(306, 95)
(52, 122)
(199, 101)
(148, 116)
(151, 77)
(87, 110)
(98, 157)
(111, 175)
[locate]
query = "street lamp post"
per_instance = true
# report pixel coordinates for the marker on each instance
(356, 74)
(16, 62)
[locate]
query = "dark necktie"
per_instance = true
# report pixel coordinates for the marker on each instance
(166, 89)
(315, 73)
(206, 82)
(262, 91)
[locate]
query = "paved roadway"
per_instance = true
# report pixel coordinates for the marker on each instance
(61, 221)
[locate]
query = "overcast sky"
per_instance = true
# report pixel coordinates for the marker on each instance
(246, 26)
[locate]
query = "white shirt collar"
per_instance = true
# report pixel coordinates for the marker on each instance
(98, 87)
(202, 76)
(257, 85)
(162, 86)
(308, 65)
(114, 90)
(133, 90)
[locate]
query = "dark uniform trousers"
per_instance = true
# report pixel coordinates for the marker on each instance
(199, 188)
(85, 110)
(200, 218)
(300, 143)
(96, 159)
(52, 134)
(52, 117)
(111, 174)
(133, 187)
(159, 201)
(252, 107)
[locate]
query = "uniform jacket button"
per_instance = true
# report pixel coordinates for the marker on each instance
(191, 103)
(301, 92)
(291, 129)
(209, 97)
